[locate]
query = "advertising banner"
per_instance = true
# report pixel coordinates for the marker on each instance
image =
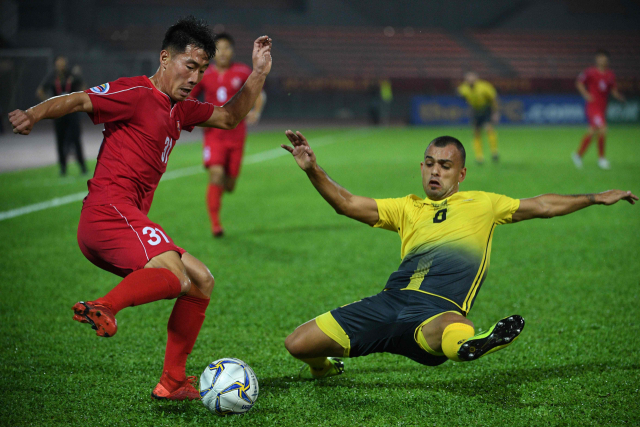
(519, 109)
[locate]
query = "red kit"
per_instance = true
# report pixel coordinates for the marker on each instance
(141, 128)
(599, 84)
(223, 147)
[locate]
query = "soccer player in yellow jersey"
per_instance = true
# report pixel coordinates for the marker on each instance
(446, 245)
(483, 100)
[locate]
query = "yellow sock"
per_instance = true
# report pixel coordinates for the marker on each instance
(477, 147)
(453, 337)
(319, 365)
(493, 141)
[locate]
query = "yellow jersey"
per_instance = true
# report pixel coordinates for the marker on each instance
(446, 244)
(480, 96)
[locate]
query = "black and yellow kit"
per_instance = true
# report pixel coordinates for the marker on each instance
(481, 98)
(446, 248)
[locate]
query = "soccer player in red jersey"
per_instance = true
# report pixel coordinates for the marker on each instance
(222, 153)
(595, 84)
(143, 118)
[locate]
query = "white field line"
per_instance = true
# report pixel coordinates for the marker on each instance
(182, 172)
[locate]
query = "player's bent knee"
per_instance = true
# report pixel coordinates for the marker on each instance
(199, 274)
(205, 282)
(295, 345)
(216, 175)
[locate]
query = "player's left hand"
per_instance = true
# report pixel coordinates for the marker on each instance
(22, 121)
(613, 196)
(261, 56)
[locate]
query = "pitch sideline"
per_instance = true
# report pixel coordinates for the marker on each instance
(180, 173)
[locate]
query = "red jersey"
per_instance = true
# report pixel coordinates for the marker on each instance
(599, 84)
(141, 127)
(218, 88)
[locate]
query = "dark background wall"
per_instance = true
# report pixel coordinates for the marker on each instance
(330, 55)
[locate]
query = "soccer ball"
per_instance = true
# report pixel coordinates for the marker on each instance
(228, 386)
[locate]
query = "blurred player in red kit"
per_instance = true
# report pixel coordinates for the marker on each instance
(222, 153)
(595, 84)
(143, 117)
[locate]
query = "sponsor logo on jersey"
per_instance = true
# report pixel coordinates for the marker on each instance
(103, 88)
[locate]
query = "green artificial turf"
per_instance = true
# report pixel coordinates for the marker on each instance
(287, 257)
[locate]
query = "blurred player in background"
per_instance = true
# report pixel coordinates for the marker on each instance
(595, 84)
(446, 247)
(143, 118)
(61, 81)
(223, 149)
(483, 100)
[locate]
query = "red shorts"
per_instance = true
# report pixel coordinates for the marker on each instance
(120, 238)
(227, 154)
(596, 116)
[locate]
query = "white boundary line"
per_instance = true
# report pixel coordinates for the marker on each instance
(182, 172)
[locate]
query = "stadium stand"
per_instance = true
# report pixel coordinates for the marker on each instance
(555, 54)
(377, 52)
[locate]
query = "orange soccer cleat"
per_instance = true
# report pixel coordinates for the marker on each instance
(98, 315)
(183, 390)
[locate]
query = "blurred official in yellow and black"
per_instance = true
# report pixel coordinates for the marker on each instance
(483, 100)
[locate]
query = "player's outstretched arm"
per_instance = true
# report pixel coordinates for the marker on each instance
(53, 108)
(550, 205)
(363, 209)
(231, 114)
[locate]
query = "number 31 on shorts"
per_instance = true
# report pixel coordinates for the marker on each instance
(154, 237)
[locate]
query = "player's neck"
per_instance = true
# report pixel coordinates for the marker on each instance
(602, 69)
(446, 196)
(156, 81)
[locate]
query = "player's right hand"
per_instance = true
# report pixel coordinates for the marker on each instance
(22, 121)
(261, 56)
(302, 152)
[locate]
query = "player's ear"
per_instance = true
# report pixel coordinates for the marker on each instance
(463, 175)
(165, 57)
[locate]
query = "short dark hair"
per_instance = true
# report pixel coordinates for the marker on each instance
(443, 141)
(603, 52)
(189, 31)
(227, 37)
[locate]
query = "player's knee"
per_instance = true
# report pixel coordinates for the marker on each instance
(185, 282)
(295, 345)
(216, 175)
(204, 280)
(449, 318)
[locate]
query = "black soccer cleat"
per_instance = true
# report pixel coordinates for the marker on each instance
(499, 336)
